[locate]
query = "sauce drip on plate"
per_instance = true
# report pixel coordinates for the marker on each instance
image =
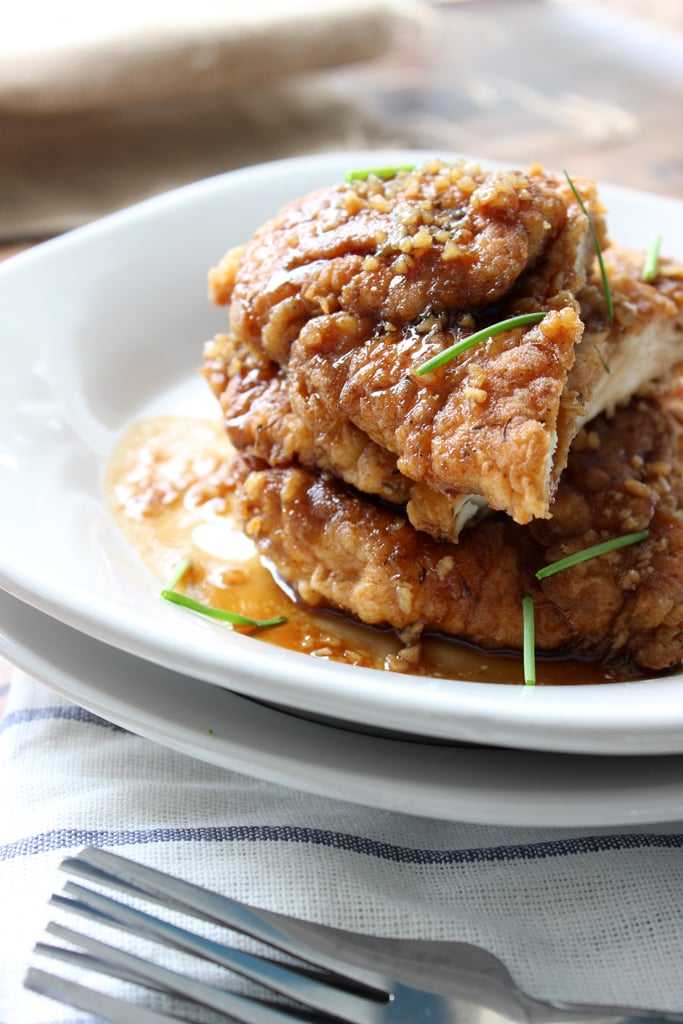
(168, 488)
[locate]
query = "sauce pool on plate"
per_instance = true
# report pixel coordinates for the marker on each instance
(169, 489)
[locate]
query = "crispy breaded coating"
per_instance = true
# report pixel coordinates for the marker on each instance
(642, 344)
(350, 289)
(358, 473)
(485, 424)
(338, 549)
(259, 419)
(442, 237)
(498, 439)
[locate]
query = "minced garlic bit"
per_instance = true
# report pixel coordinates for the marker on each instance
(476, 395)
(444, 567)
(429, 222)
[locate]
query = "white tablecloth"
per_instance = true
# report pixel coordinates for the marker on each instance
(576, 914)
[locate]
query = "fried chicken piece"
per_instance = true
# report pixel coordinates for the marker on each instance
(259, 419)
(352, 288)
(643, 343)
(446, 236)
(339, 549)
(485, 424)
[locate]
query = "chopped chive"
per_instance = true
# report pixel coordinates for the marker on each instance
(486, 332)
(529, 641)
(592, 552)
(651, 264)
(234, 618)
(177, 574)
(378, 172)
(598, 250)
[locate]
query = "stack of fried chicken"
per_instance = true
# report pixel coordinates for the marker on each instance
(427, 501)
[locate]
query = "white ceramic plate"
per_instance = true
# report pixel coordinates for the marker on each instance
(478, 784)
(105, 325)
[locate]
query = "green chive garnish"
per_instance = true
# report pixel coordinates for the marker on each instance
(378, 172)
(592, 552)
(473, 339)
(598, 250)
(177, 574)
(234, 618)
(529, 641)
(652, 258)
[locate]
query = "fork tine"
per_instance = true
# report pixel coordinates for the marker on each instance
(88, 963)
(83, 998)
(104, 957)
(111, 869)
(284, 980)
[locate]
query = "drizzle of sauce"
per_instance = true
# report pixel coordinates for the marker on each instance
(169, 489)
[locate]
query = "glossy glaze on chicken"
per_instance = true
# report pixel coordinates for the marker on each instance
(335, 304)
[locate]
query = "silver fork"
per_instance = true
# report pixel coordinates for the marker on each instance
(441, 982)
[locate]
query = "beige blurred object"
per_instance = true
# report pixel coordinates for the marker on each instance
(101, 107)
(60, 172)
(75, 55)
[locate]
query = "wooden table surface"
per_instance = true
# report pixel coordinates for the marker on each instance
(569, 84)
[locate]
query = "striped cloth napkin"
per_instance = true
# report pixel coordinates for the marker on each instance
(580, 914)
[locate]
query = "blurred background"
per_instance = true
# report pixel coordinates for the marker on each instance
(101, 106)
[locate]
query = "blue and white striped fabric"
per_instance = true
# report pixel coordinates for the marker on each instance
(576, 914)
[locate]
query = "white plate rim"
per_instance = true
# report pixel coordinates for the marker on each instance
(450, 783)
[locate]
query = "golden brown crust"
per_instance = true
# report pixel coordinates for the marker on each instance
(483, 424)
(351, 288)
(336, 302)
(442, 237)
(339, 549)
(259, 419)
(475, 416)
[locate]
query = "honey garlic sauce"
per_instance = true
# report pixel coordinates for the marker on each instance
(169, 489)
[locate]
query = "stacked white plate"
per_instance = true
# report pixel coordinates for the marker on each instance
(103, 327)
